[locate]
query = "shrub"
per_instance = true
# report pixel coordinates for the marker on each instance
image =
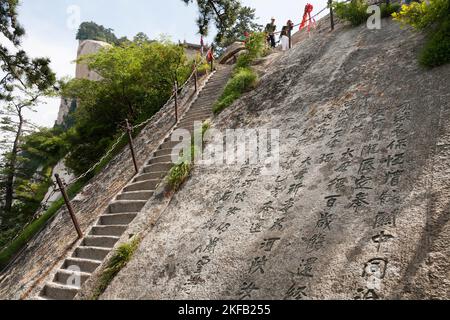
(256, 48)
(388, 9)
(354, 12)
(243, 61)
(256, 44)
(243, 80)
(179, 174)
(431, 16)
(118, 261)
(203, 69)
(423, 15)
(436, 51)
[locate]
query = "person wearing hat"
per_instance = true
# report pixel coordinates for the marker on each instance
(270, 31)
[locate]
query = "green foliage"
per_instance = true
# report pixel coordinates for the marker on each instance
(33, 228)
(179, 174)
(245, 22)
(433, 17)
(93, 31)
(354, 12)
(436, 51)
(424, 15)
(137, 79)
(16, 66)
(243, 80)
(118, 261)
(222, 12)
(229, 17)
(255, 47)
(388, 9)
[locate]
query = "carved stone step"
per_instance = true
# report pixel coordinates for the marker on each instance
(56, 291)
(83, 265)
(158, 167)
(161, 159)
(199, 113)
(163, 152)
(150, 176)
(91, 253)
(70, 278)
(123, 206)
(117, 219)
(100, 242)
(145, 185)
(135, 195)
(111, 230)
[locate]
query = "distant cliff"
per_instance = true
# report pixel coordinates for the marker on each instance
(85, 47)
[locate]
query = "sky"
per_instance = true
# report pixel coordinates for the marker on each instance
(51, 26)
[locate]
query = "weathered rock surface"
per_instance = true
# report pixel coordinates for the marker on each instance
(87, 47)
(360, 207)
(82, 71)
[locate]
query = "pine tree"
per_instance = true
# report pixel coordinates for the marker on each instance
(22, 82)
(228, 16)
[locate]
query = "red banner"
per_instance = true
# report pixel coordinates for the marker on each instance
(307, 17)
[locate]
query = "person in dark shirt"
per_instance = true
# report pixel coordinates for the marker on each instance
(270, 31)
(285, 36)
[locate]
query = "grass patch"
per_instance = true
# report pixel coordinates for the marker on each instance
(179, 174)
(181, 171)
(118, 261)
(243, 80)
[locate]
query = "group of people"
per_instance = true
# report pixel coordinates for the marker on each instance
(285, 34)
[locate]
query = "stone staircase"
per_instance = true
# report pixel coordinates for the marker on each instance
(102, 238)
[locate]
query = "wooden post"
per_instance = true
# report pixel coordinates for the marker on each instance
(175, 88)
(331, 14)
(195, 76)
(69, 206)
(130, 142)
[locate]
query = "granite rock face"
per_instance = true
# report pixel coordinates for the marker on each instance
(85, 47)
(359, 208)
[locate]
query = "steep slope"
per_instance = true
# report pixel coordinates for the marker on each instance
(360, 206)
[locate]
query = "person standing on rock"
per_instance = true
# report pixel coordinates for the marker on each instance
(285, 35)
(270, 31)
